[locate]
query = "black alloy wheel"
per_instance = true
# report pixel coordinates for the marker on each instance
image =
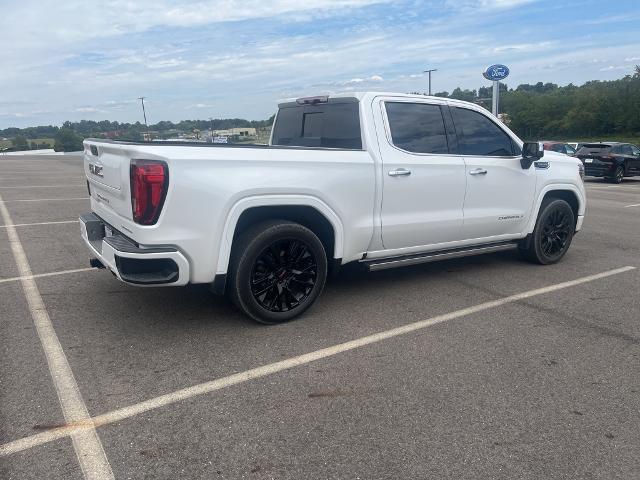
(556, 230)
(277, 271)
(284, 275)
(552, 234)
(618, 175)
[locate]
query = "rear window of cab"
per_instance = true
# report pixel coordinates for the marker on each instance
(334, 124)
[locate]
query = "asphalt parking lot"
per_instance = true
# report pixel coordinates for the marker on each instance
(485, 367)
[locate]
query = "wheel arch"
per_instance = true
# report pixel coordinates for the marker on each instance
(309, 211)
(567, 192)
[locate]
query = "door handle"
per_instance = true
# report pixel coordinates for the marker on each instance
(478, 171)
(399, 172)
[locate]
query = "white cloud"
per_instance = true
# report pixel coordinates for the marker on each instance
(614, 67)
(89, 110)
(199, 105)
(79, 20)
(486, 4)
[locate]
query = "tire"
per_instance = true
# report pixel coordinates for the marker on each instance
(552, 234)
(618, 175)
(277, 271)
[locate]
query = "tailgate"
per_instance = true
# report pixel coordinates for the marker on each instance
(106, 167)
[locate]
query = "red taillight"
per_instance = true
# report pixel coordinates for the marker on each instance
(149, 182)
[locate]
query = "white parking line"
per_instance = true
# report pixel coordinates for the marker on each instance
(616, 188)
(38, 223)
(634, 205)
(45, 200)
(45, 186)
(50, 274)
(272, 368)
(93, 461)
(39, 176)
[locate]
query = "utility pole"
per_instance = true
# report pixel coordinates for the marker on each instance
(211, 127)
(144, 113)
(429, 72)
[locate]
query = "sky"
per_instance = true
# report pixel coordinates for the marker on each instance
(87, 59)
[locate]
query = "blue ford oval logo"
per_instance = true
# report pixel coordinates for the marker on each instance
(496, 72)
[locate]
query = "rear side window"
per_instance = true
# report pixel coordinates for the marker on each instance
(417, 127)
(478, 135)
(626, 150)
(330, 125)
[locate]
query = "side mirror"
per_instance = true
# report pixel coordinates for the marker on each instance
(531, 151)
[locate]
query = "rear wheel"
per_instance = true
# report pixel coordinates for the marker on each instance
(618, 175)
(552, 234)
(277, 271)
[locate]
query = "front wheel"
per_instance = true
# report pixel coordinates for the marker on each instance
(552, 234)
(277, 271)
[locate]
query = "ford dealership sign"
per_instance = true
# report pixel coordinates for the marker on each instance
(496, 72)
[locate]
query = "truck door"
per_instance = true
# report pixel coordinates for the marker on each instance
(423, 185)
(500, 192)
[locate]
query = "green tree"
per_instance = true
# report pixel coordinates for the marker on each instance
(466, 95)
(19, 142)
(66, 140)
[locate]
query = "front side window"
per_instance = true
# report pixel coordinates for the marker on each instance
(417, 127)
(478, 135)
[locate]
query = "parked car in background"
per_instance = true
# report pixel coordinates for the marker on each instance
(559, 147)
(576, 145)
(611, 160)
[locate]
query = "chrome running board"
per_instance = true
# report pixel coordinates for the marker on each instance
(393, 262)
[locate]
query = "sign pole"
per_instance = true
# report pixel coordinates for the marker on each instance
(495, 99)
(496, 73)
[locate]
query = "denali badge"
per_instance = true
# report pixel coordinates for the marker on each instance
(96, 170)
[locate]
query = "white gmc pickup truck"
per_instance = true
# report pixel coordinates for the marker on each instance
(382, 179)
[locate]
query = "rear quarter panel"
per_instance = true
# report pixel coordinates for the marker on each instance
(206, 184)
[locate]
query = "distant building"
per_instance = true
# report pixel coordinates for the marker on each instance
(236, 132)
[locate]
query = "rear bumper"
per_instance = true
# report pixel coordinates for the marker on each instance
(132, 263)
(598, 169)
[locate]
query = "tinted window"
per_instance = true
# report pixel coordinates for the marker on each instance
(557, 147)
(626, 150)
(330, 125)
(635, 150)
(594, 149)
(478, 135)
(417, 127)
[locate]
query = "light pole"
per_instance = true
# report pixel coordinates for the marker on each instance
(429, 72)
(144, 114)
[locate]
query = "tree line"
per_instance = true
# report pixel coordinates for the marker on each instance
(546, 110)
(534, 111)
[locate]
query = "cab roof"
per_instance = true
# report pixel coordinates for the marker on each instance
(363, 96)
